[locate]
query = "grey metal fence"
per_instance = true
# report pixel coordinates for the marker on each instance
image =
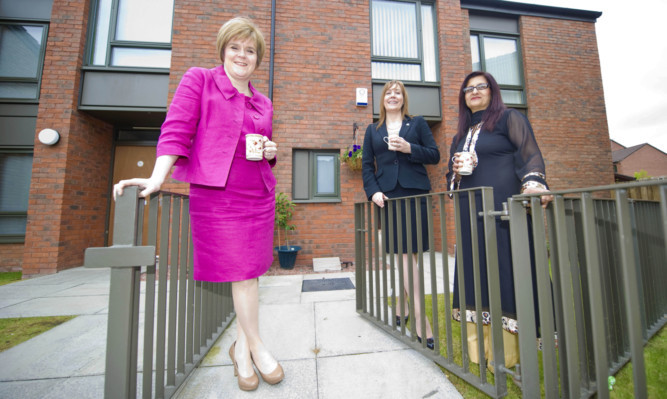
(182, 318)
(600, 265)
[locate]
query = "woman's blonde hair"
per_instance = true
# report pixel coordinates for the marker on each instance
(243, 29)
(383, 111)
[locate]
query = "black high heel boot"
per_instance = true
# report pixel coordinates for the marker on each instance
(429, 342)
(398, 319)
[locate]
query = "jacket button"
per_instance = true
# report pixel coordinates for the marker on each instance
(248, 105)
(396, 161)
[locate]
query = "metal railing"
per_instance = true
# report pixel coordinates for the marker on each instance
(182, 317)
(599, 260)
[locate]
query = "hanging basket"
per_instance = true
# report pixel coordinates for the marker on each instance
(353, 163)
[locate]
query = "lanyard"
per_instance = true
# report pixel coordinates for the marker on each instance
(468, 146)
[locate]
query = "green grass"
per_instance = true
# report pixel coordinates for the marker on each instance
(16, 330)
(9, 277)
(654, 354)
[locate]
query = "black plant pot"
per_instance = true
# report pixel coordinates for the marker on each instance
(287, 255)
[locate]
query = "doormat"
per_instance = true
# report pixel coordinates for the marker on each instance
(327, 284)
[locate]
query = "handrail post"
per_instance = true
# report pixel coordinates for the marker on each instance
(125, 261)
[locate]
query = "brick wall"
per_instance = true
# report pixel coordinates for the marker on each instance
(11, 257)
(69, 187)
(322, 54)
(566, 101)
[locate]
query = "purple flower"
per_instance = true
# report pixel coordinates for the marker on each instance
(349, 154)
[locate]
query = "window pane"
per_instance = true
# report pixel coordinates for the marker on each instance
(140, 57)
(512, 96)
(15, 172)
(326, 174)
(145, 20)
(102, 32)
(19, 51)
(394, 30)
(13, 225)
(391, 70)
(502, 60)
(300, 181)
(18, 90)
(474, 52)
(428, 40)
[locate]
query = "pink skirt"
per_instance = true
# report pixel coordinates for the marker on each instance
(232, 227)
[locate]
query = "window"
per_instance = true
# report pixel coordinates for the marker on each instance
(495, 48)
(15, 173)
(403, 41)
(132, 33)
(21, 60)
(316, 176)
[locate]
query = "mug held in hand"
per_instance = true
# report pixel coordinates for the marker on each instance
(469, 163)
(254, 147)
(387, 139)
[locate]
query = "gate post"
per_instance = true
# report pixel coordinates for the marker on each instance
(125, 260)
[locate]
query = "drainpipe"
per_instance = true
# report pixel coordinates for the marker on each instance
(273, 35)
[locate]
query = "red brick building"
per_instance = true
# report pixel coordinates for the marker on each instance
(101, 73)
(631, 160)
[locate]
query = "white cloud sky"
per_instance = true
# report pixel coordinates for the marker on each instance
(633, 59)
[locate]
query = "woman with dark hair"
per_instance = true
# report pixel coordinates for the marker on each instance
(507, 158)
(395, 151)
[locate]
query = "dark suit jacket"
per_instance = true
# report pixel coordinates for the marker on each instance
(382, 169)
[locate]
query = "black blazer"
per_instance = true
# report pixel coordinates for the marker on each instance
(396, 167)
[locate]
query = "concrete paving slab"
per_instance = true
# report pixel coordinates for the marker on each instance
(56, 306)
(87, 387)
(287, 330)
(280, 289)
(341, 331)
(328, 296)
(394, 374)
(74, 348)
(35, 389)
(219, 382)
(70, 277)
(83, 290)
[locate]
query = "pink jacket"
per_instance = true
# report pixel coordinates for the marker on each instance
(203, 127)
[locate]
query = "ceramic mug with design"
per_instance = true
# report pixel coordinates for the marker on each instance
(254, 147)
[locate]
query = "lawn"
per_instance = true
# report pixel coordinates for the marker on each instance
(9, 277)
(654, 354)
(16, 330)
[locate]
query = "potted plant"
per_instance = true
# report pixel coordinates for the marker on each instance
(286, 253)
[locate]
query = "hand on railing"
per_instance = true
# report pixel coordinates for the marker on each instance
(379, 198)
(162, 167)
(147, 186)
(545, 199)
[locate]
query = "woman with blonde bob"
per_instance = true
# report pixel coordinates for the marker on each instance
(232, 199)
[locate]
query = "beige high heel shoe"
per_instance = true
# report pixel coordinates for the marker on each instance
(245, 383)
(273, 377)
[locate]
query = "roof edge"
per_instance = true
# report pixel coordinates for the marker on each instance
(535, 10)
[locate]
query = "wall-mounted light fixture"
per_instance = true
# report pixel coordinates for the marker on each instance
(48, 136)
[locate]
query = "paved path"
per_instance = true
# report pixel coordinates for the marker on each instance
(327, 350)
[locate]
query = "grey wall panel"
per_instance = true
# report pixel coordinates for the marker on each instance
(17, 130)
(26, 9)
(423, 100)
(118, 89)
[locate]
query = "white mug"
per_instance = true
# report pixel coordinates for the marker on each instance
(386, 140)
(468, 159)
(254, 147)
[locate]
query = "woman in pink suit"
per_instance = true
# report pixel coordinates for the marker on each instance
(232, 199)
